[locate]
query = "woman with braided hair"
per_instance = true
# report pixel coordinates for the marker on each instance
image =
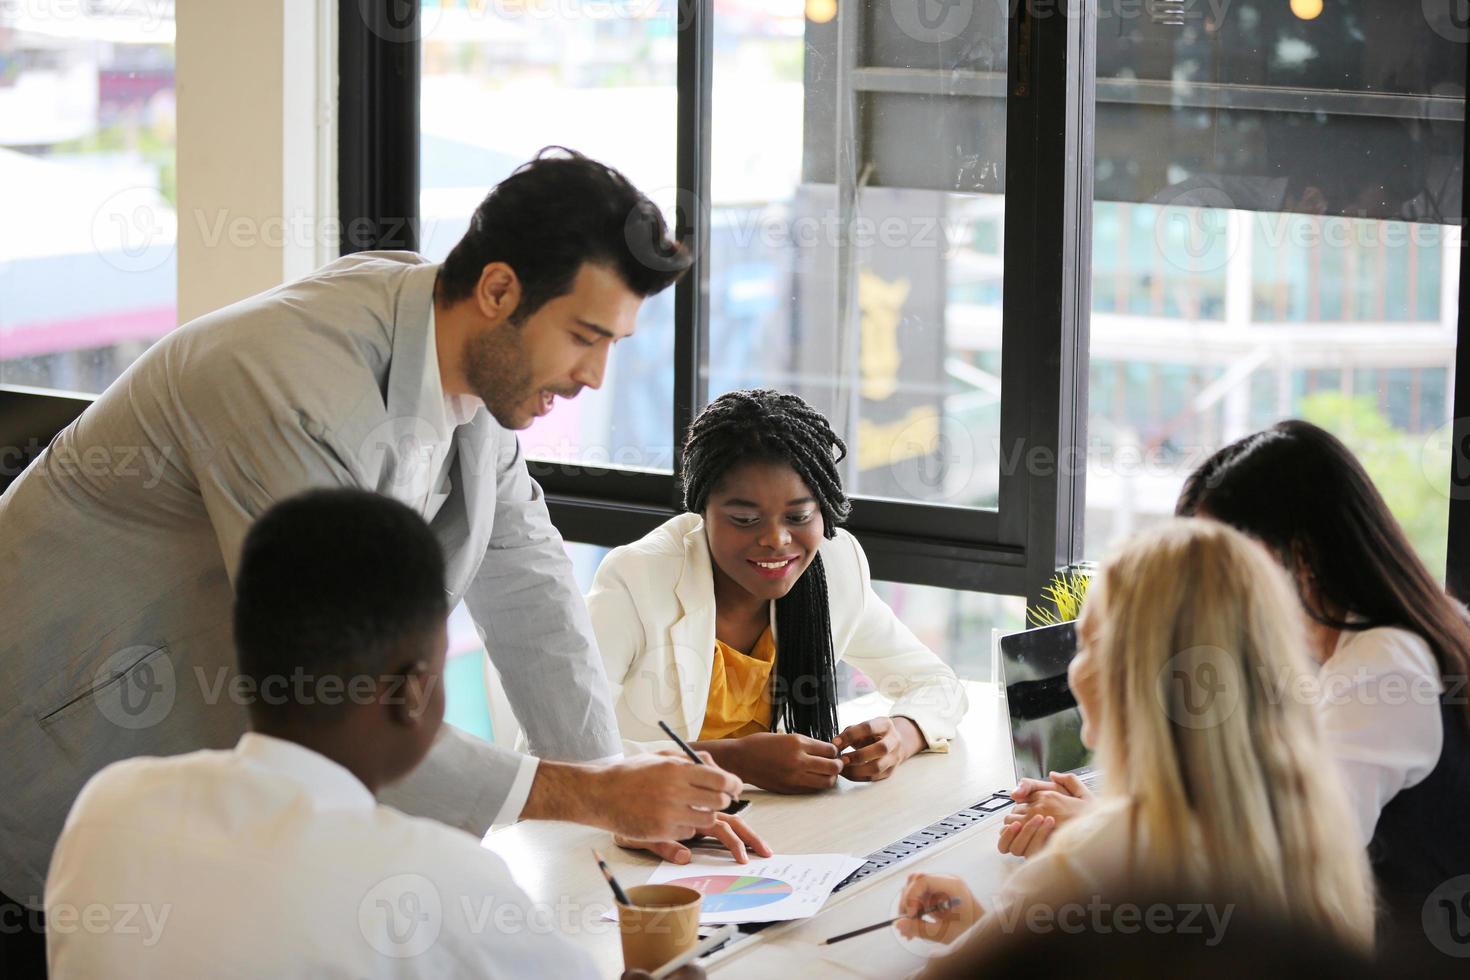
(727, 621)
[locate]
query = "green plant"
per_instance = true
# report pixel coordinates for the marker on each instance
(1066, 593)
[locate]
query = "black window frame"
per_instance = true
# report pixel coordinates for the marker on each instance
(1049, 140)
(1036, 528)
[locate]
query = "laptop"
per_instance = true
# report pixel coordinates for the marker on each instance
(1046, 727)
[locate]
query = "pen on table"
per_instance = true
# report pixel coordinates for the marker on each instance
(617, 889)
(942, 906)
(735, 806)
(689, 956)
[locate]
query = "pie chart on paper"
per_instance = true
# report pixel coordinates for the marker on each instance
(735, 893)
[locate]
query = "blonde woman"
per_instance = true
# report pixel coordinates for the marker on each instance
(1189, 647)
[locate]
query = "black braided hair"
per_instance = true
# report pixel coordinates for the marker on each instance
(762, 425)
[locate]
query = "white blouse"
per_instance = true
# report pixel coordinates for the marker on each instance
(1379, 705)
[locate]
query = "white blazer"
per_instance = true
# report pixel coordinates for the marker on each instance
(653, 611)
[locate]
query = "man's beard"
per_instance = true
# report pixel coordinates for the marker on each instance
(496, 369)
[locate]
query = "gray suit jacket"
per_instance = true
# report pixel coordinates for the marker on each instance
(119, 544)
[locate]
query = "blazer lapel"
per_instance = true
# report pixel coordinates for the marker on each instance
(693, 634)
(463, 523)
(467, 519)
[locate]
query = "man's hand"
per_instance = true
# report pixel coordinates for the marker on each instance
(1041, 806)
(729, 830)
(879, 745)
(784, 762)
(646, 797)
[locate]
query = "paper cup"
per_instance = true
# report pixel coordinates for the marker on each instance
(659, 923)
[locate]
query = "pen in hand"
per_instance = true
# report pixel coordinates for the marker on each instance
(736, 806)
(942, 906)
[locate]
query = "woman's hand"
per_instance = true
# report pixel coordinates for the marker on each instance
(782, 762)
(878, 745)
(729, 830)
(923, 892)
(1041, 806)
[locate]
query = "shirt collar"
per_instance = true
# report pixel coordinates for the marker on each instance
(328, 783)
(452, 410)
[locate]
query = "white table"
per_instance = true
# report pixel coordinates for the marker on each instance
(553, 861)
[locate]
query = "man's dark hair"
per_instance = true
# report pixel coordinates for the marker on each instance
(333, 583)
(551, 216)
(766, 426)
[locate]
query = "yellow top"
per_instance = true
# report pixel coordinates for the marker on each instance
(740, 690)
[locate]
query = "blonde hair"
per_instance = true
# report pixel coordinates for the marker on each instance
(1199, 656)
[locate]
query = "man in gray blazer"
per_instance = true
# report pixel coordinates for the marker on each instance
(381, 371)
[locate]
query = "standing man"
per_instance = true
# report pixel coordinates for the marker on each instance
(118, 546)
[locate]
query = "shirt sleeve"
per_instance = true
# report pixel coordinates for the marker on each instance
(531, 615)
(520, 791)
(1380, 712)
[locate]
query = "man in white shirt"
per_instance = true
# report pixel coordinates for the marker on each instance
(275, 858)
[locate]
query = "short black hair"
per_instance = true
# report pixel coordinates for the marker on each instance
(333, 583)
(551, 216)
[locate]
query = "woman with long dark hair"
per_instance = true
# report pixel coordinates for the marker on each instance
(727, 621)
(1394, 648)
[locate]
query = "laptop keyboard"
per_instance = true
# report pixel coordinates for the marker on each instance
(901, 850)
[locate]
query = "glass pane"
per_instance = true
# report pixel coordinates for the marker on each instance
(1274, 236)
(503, 80)
(955, 624)
(857, 229)
(87, 186)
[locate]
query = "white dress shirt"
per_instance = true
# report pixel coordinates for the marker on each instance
(432, 483)
(271, 860)
(1379, 700)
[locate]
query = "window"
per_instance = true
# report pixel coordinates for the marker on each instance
(499, 82)
(87, 160)
(1276, 198)
(844, 265)
(1156, 227)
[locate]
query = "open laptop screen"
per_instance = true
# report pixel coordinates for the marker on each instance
(1046, 728)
